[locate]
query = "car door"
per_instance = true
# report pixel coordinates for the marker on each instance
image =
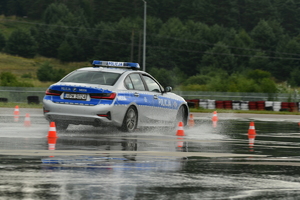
(140, 96)
(162, 104)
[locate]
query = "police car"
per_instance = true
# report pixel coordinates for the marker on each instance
(113, 93)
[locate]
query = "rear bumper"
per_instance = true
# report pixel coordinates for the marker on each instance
(81, 114)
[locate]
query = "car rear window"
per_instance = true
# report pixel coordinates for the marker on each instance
(92, 77)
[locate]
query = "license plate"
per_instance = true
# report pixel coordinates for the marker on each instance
(75, 96)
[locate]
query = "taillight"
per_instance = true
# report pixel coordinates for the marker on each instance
(53, 92)
(109, 96)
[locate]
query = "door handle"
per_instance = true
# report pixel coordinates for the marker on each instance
(155, 96)
(136, 94)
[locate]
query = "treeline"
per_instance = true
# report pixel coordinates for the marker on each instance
(237, 14)
(206, 41)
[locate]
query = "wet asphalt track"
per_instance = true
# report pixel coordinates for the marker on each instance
(103, 163)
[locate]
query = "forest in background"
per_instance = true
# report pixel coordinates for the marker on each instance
(210, 45)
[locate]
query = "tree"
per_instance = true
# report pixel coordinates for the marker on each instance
(9, 79)
(260, 61)
(114, 40)
(170, 45)
(46, 72)
(2, 41)
(198, 79)
(294, 80)
(64, 52)
(21, 43)
(219, 57)
(167, 77)
(35, 8)
(264, 80)
(263, 36)
(57, 12)
(84, 10)
(82, 46)
(47, 40)
(196, 10)
(289, 15)
(251, 12)
(242, 46)
(289, 54)
(14, 7)
(3, 7)
(114, 10)
(226, 13)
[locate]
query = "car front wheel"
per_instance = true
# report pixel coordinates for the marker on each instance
(181, 116)
(130, 120)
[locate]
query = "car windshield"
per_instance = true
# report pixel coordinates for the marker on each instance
(92, 77)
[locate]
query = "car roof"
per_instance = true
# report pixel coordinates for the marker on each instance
(105, 69)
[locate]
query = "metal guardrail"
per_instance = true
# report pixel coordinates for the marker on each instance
(239, 96)
(20, 94)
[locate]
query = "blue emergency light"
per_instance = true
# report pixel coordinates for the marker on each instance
(113, 64)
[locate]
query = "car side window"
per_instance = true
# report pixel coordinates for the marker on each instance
(152, 85)
(128, 83)
(134, 82)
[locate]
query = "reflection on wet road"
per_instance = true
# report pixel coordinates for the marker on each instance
(102, 163)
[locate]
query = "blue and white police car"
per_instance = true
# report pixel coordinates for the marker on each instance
(113, 93)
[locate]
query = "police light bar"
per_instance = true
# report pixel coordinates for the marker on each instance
(116, 64)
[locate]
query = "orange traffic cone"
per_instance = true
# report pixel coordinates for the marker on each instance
(191, 122)
(52, 131)
(251, 142)
(51, 143)
(27, 122)
(251, 130)
(215, 117)
(16, 114)
(52, 137)
(180, 143)
(251, 135)
(180, 131)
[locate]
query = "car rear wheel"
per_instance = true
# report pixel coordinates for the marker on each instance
(130, 120)
(61, 126)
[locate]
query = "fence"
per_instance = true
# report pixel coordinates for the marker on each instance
(240, 96)
(21, 94)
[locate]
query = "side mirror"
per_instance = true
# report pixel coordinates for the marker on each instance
(168, 89)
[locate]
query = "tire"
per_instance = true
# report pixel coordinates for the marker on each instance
(130, 120)
(61, 126)
(181, 116)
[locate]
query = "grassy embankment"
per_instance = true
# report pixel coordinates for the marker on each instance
(25, 69)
